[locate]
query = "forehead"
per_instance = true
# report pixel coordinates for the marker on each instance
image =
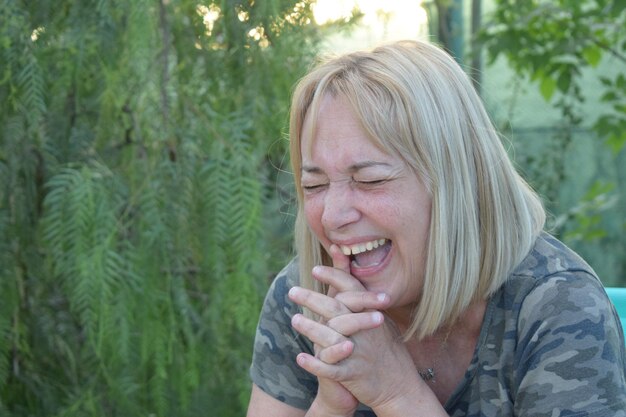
(332, 130)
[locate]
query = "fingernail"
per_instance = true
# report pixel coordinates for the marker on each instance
(381, 296)
(293, 291)
(317, 270)
(377, 317)
(300, 359)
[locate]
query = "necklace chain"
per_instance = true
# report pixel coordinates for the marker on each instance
(428, 374)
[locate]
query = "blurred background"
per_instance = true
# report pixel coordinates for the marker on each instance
(145, 194)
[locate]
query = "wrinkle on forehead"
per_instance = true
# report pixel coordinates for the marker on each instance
(319, 106)
(351, 169)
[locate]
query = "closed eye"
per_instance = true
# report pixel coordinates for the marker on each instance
(313, 187)
(370, 183)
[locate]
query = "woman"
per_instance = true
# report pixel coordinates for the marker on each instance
(424, 284)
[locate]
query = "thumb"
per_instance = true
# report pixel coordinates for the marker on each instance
(340, 261)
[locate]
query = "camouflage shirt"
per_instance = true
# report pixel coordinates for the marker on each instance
(550, 345)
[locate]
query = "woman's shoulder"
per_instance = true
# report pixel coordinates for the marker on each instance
(553, 270)
(559, 334)
(276, 299)
(550, 256)
(286, 278)
(277, 344)
(556, 294)
(555, 291)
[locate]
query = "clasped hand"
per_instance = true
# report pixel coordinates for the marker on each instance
(358, 354)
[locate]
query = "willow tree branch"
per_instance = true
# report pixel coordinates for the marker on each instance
(165, 72)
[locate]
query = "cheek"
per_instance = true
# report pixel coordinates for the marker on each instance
(313, 209)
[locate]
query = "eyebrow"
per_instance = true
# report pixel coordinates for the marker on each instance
(351, 169)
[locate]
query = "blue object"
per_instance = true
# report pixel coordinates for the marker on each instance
(618, 297)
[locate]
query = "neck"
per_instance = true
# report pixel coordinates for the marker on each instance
(468, 324)
(401, 317)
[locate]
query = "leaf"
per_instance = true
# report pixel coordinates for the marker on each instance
(616, 141)
(547, 87)
(609, 96)
(597, 189)
(605, 81)
(564, 81)
(593, 55)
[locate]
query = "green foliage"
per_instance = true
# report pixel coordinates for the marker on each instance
(612, 125)
(554, 41)
(557, 45)
(586, 214)
(137, 163)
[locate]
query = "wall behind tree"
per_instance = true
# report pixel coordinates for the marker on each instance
(552, 121)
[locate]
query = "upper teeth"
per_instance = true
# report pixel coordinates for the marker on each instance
(362, 247)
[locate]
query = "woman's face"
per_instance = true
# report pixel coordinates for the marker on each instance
(366, 201)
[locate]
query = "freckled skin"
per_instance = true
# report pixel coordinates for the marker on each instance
(355, 192)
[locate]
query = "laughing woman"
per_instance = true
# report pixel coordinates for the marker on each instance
(424, 283)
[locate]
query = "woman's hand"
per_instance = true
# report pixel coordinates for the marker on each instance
(378, 371)
(356, 348)
(332, 344)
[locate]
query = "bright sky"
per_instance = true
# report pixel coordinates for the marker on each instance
(383, 21)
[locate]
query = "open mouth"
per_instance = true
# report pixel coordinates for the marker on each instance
(367, 254)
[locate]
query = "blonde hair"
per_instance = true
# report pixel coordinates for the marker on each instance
(416, 103)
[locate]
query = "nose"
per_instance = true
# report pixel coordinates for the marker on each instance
(340, 207)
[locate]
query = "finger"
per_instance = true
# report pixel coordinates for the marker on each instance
(350, 324)
(336, 353)
(340, 261)
(358, 301)
(336, 278)
(318, 367)
(320, 304)
(342, 281)
(318, 333)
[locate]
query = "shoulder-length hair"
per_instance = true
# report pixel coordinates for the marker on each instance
(414, 101)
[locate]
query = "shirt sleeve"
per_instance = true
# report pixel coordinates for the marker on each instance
(570, 359)
(276, 346)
